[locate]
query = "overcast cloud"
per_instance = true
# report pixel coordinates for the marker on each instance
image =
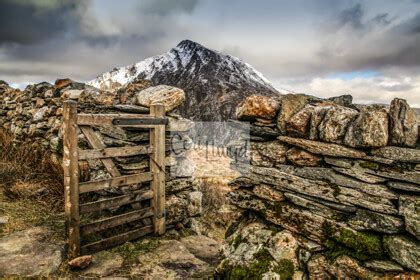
(369, 49)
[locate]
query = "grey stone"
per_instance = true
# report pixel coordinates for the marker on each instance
(268, 154)
(298, 124)
(360, 174)
(369, 129)
(343, 100)
(171, 260)
(290, 104)
(409, 207)
(202, 247)
(369, 220)
(398, 154)
(28, 254)
(404, 250)
(384, 266)
(334, 125)
(404, 186)
(404, 130)
(326, 149)
(320, 189)
(328, 174)
(315, 207)
(104, 264)
(397, 174)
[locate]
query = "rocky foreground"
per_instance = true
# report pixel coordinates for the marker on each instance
(332, 190)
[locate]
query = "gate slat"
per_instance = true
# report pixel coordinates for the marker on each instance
(98, 144)
(115, 182)
(157, 167)
(115, 201)
(113, 152)
(116, 240)
(106, 119)
(115, 221)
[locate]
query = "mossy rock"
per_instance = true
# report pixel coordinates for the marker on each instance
(360, 245)
(263, 263)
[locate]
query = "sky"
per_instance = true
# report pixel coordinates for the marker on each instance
(369, 49)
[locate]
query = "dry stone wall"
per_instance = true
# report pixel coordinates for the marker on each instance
(341, 181)
(34, 117)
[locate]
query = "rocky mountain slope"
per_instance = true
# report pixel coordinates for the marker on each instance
(214, 82)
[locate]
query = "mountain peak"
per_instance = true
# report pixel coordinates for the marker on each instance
(188, 44)
(213, 82)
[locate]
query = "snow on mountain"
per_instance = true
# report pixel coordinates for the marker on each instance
(214, 82)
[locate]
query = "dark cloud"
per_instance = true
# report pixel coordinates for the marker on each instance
(30, 22)
(351, 16)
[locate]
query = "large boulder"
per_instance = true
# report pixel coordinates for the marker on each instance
(290, 105)
(257, 106)
(333, 127)
(404, 130)
(170, 97)
(369, 129)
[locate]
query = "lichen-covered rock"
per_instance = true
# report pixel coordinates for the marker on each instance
(369, 220)
(403, 250)
(268, 153)
(334, 125)
(257, 106)
(343, 100)
(290, 105)
(302, 157)
(398, 154)
(299, 124)
(326, 149)
(409, 207)
(170, 97)
(104, 264)
(369, 129)
(268, 192)
(404, 130)
(384, 266)
(256, 252)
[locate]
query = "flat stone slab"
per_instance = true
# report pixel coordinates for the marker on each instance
(203, 247)
(104, 264)
(171, 260)
(28, 253)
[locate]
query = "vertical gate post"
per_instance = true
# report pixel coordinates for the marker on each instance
(157, 167)
(71, 177)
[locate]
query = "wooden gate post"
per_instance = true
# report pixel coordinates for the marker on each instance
(157, 167)
(71, 177)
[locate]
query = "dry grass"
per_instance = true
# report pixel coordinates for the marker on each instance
(31, 188)
(26, 170)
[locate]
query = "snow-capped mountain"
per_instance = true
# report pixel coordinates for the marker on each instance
(214, 82)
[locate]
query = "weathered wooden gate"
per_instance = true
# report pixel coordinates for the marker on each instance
(156, 122)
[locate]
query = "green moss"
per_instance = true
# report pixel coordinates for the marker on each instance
(237, 240)
(369, 165)
(263, 262)
(360, 245)
(285, 269)
(130, 251)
